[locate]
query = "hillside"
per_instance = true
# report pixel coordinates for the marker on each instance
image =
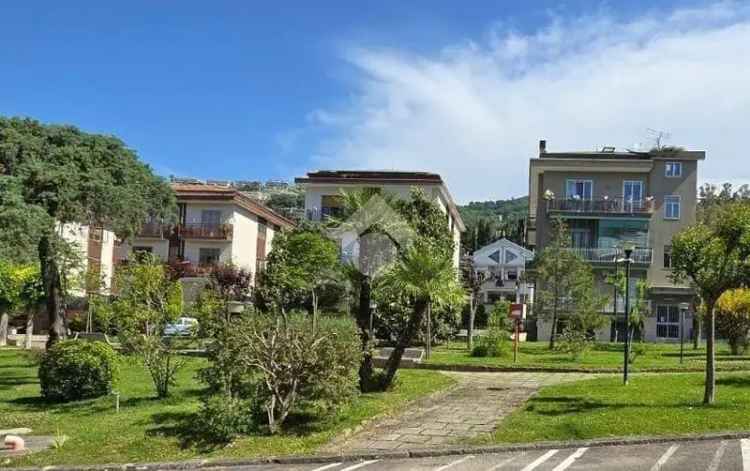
(487, 221)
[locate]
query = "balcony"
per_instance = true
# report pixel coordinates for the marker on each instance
(642, 256)
(609, 206)
(206, 231)
(153, 230)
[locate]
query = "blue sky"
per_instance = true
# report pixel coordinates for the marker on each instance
(251, 90)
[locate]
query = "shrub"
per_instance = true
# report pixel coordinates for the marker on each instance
(638, 349)
(73, 370)
(480, 350)
(299, 365)
(575, 343)
(495, 342)
(220, 418)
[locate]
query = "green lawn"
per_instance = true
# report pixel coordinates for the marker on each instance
(602, 356)
(652, 404)
(147, 429)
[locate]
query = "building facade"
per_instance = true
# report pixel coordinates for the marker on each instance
(215, 224)
(323, 193)
(609, 198)
(503, 264)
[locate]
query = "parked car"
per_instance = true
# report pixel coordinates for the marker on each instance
(182, 326)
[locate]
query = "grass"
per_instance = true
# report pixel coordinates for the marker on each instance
(603, 356)
(652, 404)
(147, 429)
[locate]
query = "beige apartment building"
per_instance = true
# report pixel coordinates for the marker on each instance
(323, 193)
(610, 197)
(216, 224)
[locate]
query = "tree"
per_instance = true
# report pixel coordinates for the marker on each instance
(53, 175)
(316, 262)
(428, 277)
(713, 255)
(733, 318)
(147, 301)
(30, 297)
(473, 281)
(9, 298)
(562, 276)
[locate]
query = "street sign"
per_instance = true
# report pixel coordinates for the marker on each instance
(516, 311)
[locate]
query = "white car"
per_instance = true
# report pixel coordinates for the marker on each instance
(182, 326)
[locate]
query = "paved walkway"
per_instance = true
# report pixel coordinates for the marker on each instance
(474, 406)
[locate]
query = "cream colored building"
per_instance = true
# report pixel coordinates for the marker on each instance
(215, 224)
(323, 193)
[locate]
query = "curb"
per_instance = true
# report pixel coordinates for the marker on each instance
(389, 455)
(541, 369)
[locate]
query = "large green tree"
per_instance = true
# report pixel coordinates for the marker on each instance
(714, 255)
(54, 175)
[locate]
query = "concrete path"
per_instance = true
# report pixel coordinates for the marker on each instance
(474, 406)
(713, 455)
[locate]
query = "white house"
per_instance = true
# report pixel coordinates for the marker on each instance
(503, 262)
(323, 193)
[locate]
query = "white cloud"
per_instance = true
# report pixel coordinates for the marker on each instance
(475, 112)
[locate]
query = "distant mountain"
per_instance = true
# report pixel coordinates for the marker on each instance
(487, 221)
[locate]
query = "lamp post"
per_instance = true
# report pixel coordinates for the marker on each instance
(627, 249)
(683, 309)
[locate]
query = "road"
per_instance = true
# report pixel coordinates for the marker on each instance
(715, 455)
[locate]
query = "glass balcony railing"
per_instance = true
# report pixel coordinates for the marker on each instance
(605, 206)
(640, 256)
(206, 231)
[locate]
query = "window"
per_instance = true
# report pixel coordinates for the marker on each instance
(208, 256)
(667, 256)
(142, 249)
(668, 321)
(511, 274)
(671, 207)
(632, 195)
(673, 169)
(211, 217)
(579, 189)
(510, 256)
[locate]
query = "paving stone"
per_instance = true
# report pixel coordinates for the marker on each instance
(474, 407)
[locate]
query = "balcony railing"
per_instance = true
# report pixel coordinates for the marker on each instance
(206, 231)
(642, 256)
(606, 206)
(153, 230)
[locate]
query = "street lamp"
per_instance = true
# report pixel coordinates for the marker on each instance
(684, 307)
(627, 249)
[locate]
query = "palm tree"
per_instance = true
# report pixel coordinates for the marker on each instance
(428, 276)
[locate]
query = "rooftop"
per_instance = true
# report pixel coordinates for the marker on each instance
(611, 153)
(357, 176)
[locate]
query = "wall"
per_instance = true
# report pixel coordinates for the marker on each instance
(245, 239)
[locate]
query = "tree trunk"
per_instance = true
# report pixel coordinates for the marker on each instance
(363, 321)
(710, 393)
(696, 331)
(4, 319)
(429, 330)
(472, 318)
(553, 334)
(52, 291)
(404, 340)
(314, 311)
(29, 329)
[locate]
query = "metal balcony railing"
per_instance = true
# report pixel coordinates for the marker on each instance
(641, 256)
(206, 231)
(606, 206)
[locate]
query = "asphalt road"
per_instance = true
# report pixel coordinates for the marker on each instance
(684, 456)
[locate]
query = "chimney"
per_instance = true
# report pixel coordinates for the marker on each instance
(542, 146)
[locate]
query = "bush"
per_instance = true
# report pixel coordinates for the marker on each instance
(73, 370)
(638, 349)
(575, 343)
(480, 350)
(221, 418)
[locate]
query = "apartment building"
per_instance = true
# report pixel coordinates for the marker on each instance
(215, 224)
(96, 248)
(608, 198)
(503, 263)
(323, 193)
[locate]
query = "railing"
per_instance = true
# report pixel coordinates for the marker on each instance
(641, 256)
(206, 231)
(607, 206)
(154, 230)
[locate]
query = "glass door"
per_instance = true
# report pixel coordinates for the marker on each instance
(632, 195)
